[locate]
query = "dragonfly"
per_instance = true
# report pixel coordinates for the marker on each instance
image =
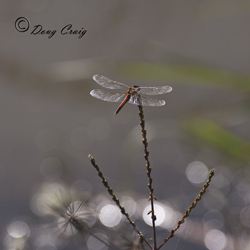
(122, 93)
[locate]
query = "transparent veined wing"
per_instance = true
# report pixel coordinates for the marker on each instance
(109, 84)
(145, 101)
(155, 90)
(108, 95)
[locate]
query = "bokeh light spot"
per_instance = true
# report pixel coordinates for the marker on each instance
(215, 240)
(110, 216)
(196, 172)
(18, 229)
(159, 212)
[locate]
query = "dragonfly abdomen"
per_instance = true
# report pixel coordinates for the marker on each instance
(126, 99)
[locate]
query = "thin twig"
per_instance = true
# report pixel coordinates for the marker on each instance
(151, 189)
(188, 211)
(116, 200)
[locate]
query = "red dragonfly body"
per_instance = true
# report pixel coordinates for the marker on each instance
(122, 93)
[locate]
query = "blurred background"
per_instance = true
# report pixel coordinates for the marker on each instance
(50, 123)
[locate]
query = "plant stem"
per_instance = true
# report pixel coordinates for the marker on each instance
(151, 189)
(116, 200)
(188, 211)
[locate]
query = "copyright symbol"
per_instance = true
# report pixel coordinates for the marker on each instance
(22, 24)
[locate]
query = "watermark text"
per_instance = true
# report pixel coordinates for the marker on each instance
(22, 24)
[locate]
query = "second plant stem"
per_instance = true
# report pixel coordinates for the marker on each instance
(151, 189)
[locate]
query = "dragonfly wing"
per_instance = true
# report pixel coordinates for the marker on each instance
(108, 96)
(155, 90)
(145, 101)
(109, 84)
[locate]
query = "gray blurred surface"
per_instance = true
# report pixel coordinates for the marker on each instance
(43, 105)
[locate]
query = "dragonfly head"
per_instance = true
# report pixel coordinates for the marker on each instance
(136, 88)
